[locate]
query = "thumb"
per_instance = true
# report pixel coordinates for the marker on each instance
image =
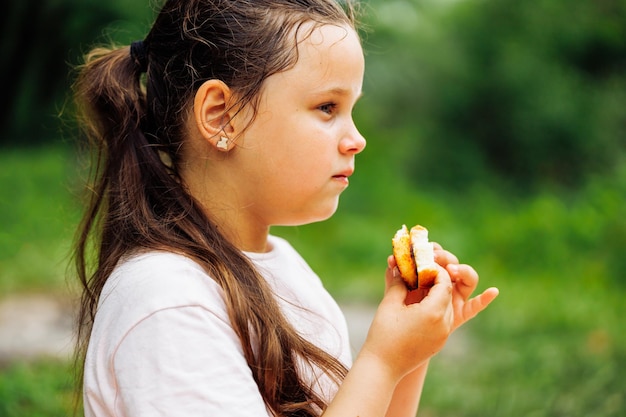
(391, 272)
(395, 288)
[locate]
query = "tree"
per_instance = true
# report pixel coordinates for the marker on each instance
(41, 41)
(526, 91)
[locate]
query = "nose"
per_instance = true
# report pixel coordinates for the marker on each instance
(352, 142)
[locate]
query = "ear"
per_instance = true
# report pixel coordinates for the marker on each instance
(211, 114)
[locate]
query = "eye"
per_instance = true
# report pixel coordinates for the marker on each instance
(328, 108)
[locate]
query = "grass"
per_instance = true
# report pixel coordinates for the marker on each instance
(543, 349)
(36, 389)
(37, 215)
(552, 344)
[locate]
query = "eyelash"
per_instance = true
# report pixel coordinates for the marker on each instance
(328, 108)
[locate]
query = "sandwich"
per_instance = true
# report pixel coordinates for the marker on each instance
(415, 257)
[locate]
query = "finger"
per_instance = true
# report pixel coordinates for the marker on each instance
(440, 294)
(443, 277)
(444, 257)
(479, 303)
(395, 288)
(391, 271)
(465, 278)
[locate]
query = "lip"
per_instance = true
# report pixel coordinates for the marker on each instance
(345, 173)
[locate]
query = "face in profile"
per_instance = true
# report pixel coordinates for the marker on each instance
(298, 153)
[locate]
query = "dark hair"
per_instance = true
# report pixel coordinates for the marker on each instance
(137, 202)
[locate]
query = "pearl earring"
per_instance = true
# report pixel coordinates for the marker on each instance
(222, 143)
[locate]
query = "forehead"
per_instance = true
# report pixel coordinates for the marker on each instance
(315, 34)
(329, 45)
(329, 57)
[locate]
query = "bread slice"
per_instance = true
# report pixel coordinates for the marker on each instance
(424, 255)
(405, 258)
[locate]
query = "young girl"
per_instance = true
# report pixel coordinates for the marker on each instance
(231, 117)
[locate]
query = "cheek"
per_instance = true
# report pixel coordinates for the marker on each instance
(294, 146)
(298, 154)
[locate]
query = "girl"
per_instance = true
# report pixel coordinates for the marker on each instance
(231, 117)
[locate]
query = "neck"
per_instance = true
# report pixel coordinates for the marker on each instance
(246, 234)
(221, 203)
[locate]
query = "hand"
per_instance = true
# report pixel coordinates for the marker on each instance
(411, 326)
(464, 279)
(404, 335)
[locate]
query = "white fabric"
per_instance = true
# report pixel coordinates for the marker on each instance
(162, 343)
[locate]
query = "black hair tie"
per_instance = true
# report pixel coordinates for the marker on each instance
(139, 55)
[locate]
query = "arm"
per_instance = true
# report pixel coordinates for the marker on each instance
(406, 397)
(392, 362)
(409, 328)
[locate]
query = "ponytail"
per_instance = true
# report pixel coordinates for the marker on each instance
(110, 99)
(110, 106)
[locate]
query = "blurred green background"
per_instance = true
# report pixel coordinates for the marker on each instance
(500, 125)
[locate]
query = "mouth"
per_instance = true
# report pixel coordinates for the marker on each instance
(344, 175)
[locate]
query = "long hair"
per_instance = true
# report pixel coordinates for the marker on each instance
(135, 122)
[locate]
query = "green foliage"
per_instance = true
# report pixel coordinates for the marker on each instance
(546, 348)
(38, 214)
(36, 389)
(526, 91)
(42, 40)
(573, 236)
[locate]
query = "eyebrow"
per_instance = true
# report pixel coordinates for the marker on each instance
(338, 91)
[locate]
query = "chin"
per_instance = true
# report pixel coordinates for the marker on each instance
(323, 213)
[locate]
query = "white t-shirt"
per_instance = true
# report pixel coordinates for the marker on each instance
(162, 343)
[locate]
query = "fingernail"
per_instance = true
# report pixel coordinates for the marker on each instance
(452, 268)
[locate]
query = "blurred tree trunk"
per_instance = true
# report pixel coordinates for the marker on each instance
(39, 39)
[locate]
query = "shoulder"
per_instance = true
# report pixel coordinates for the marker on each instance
(159, 272)
(146, 283)
(162, 274)
(162, 328)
